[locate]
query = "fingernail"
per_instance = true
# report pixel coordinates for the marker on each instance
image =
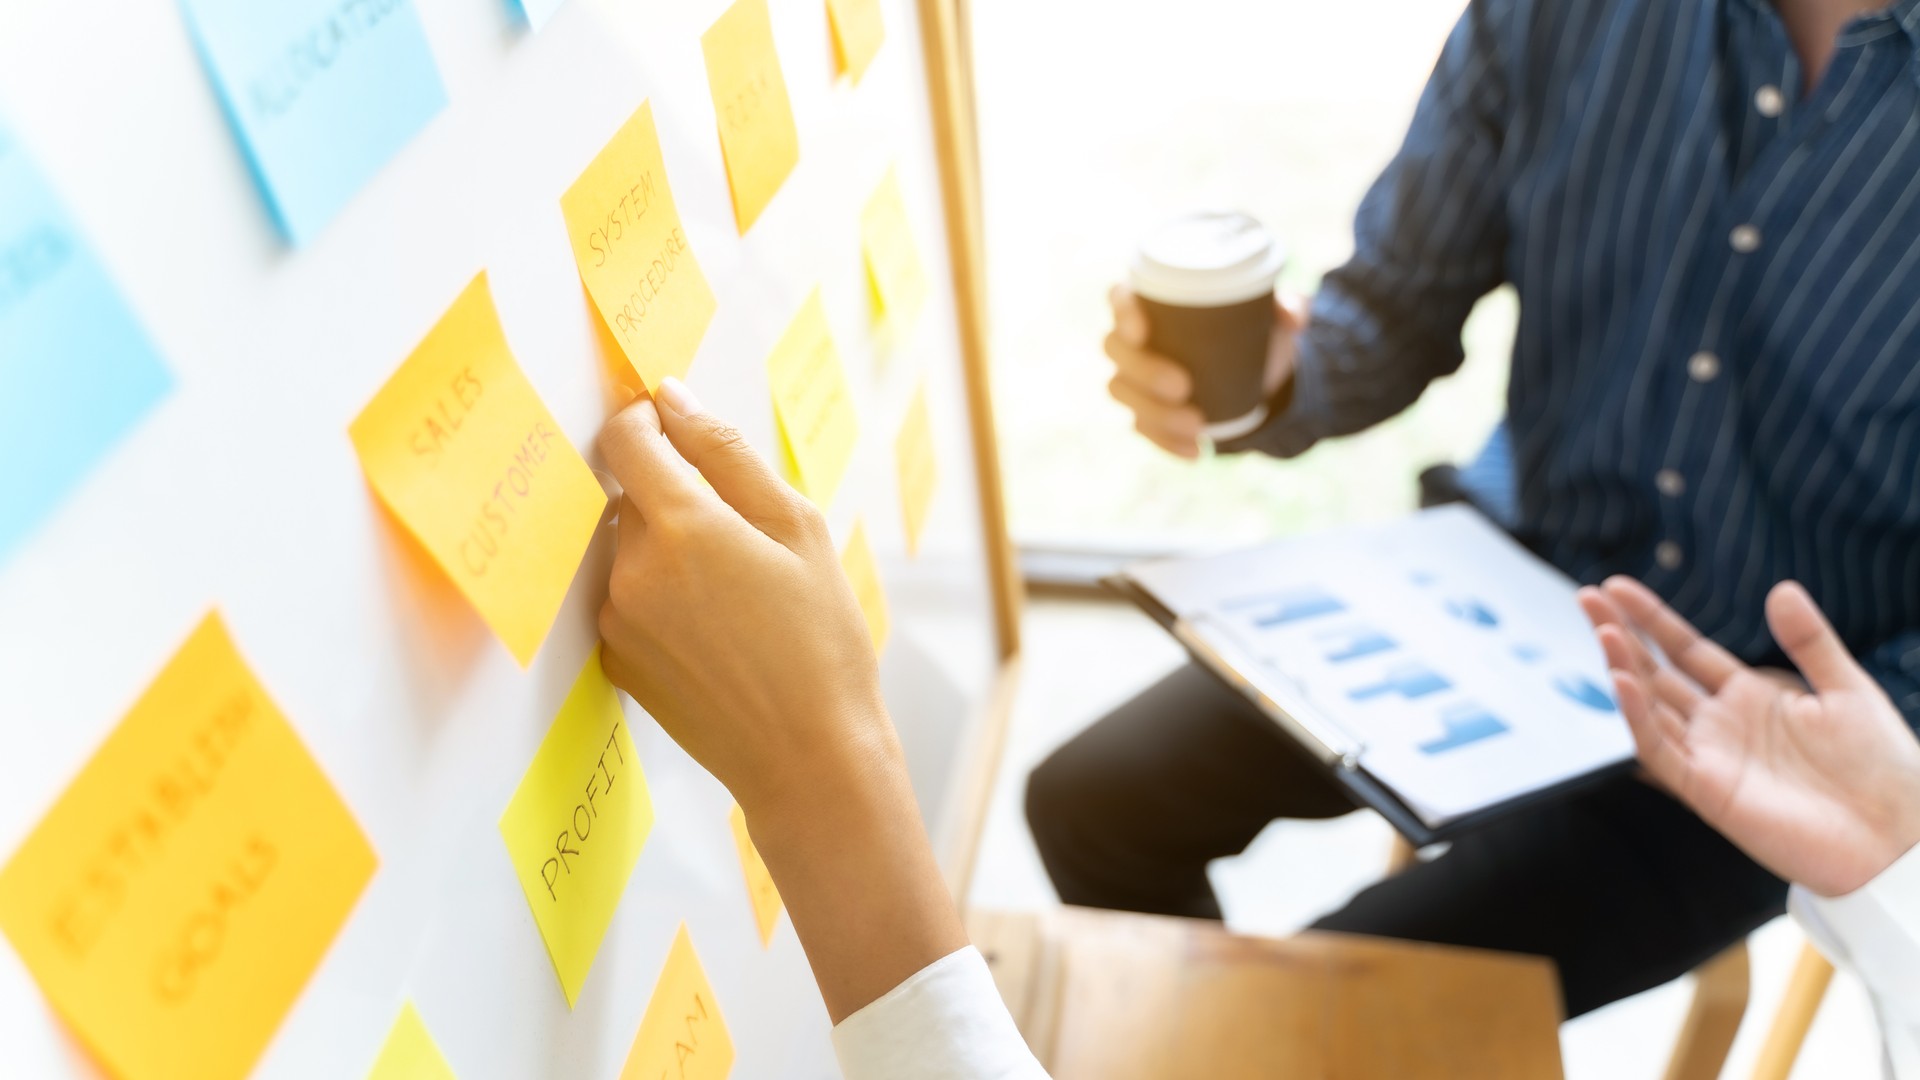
(622, 393)
(677, 397)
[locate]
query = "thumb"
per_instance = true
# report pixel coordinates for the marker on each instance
(1809, 640)
(739, 475)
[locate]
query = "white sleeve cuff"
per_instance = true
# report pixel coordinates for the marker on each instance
(1875, 932)
(945, 1022)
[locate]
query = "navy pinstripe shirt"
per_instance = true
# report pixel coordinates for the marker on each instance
(1716, 381)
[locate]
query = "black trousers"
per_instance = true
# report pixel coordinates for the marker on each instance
(1621, 886)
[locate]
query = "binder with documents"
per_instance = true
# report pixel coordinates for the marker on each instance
(1437, 671)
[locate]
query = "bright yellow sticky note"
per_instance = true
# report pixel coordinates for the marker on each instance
(895, 279)
(812, 403)
(462, 450)
(576, 824)
(757, 138)
(864, 573)
(633, 254)
(177, 896)
(760, 887)
(913, 454)
(857, 34)
(410, 1052)
(682, 1035)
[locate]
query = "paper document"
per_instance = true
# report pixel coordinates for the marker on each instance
(1444, 659)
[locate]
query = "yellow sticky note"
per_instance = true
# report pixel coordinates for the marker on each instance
(857, 34)
(812, 403)
(913, 454)
(410, 1052)
(177, 896)
(757, 138)
(894, 276)
(576, 823)
(462, 450)
(682, 1035)
(864, 574)
(760, 888)
(633, 254)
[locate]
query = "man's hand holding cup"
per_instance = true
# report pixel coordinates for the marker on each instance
(1200, 343)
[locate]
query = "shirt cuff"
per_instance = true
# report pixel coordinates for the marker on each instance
(1874, 930)
(1298, 414)
(945, 1022)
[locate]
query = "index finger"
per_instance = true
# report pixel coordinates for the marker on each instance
(639, 455)
(1704, 661)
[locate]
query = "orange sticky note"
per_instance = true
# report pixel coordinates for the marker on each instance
(633, 255)
(760, 888)
(895, 279)
(812, 404)
(180, 892)
(462, 450)
(857, 34)
(757, 137)
(576, 824)
(410, 1052)
(913, 454)
(864, 574)
(682, 1035)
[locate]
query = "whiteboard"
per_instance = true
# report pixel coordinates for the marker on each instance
(241, 492)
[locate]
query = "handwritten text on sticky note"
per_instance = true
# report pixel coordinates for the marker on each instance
(857, 34)
(410, 1052)
(761, 891)
(76, 370)
(898, 284)
(177, 896)
(682, 1036)
(576, 824)
(919, 473)
(462, 450)
(864, 574)
(757, 138)
(812, 403)
(321, 92)
(633, 255)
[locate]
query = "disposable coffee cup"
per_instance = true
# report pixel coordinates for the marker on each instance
(1205, 280)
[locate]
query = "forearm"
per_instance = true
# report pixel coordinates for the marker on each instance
(851, 859)
(1430, 240)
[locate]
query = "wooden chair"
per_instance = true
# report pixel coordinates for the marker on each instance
(1812, 973)
(1104, 995)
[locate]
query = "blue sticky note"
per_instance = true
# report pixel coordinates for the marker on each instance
(76, 370)
(321, 92)
(537, 12)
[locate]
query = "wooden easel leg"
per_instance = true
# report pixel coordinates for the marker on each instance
(1719, 1001)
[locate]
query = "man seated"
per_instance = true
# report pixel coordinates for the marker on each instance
(1711, 215)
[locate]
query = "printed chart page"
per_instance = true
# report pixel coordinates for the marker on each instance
(1458, 661)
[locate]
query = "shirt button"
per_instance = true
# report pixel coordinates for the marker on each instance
(1769, 102)
(1745, 239)
(1704, 367)
(1668, 555)
(1670, 483)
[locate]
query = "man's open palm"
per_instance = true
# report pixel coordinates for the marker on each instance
(1821, 787)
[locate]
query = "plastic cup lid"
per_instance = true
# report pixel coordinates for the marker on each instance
(1207, 258)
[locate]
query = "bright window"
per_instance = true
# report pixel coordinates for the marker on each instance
(1095, 121)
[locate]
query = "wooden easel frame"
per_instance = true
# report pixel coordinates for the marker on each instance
(944, 41)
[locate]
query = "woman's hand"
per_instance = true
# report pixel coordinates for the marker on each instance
(728, 617)
(1821, 788)
(729, 620)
